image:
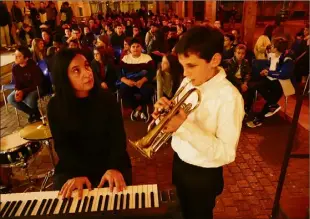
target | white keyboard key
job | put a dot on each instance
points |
(39, 198)
(134, 192)
(119, 194)
(74, 202)
(96, 199)
(155, 191)
(59, 203)
(85, 193)
(147, 196)
(150, 190)
(140, 190)
(89, 195)
(111, 199)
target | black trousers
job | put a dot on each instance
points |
(271, 92)
(197, 188)
(61, 178)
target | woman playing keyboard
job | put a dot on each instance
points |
(87, 127)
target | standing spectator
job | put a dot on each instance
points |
(26, 35)
(66, 13)
(27, 18)
(42, 13)
(51, 12)
(228, 52)
(4, 25)
(35, 20)
(17, 15)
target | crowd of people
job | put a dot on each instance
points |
(125, 51)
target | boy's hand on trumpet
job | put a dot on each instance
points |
(162, 105)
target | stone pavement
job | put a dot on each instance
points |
(250, 181)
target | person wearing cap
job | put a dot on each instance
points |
(137, 73)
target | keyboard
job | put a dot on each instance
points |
(139, 201)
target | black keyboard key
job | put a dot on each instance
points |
(100, 203)
(63, 206)
(84, 204)
(121, 202)
(136, 200)
(69, 205)
(127, 201)
(78, 206)
(106, 202)
(91, 201)
(47, 207)
(41, 207)
(164, 196)
(173, 196)
(55, 202)
(143, 200)
(152, 200)
(115, 203)
(6, 206)
(26, 207)
(33, 204)
(16, 208)
(10, 208)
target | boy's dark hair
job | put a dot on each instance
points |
(25, 51)
(204, 41)
(230, 37)
(280, 44)
(240, 46)
(135, 40)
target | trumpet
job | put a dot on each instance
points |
(156, 138)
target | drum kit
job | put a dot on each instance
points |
(20, 148)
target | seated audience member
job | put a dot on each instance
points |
(47, 39)
(238, 73)
(126, 49)
(236, 34)
(263, 43)
(137, 73)
(38, 49)
(228, 51)
(27, 77)
(281, 68)
(104, 69)
(67, 35)
(169, 76)
(103, 41)
(73, 44)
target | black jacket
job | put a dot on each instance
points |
(231, 69)
(92, 139)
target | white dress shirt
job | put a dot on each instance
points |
(210, 134)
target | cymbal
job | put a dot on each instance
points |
(36, 131)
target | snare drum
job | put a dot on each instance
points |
(15, 151)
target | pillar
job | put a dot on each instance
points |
(249, 22)
(154, 9)
(190, 7)
(210, 11)
(161, 7)
(180, 8)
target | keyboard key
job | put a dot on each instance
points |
(48, 206)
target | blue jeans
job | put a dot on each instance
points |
(28, 105)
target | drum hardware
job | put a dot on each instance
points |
(49, 175)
